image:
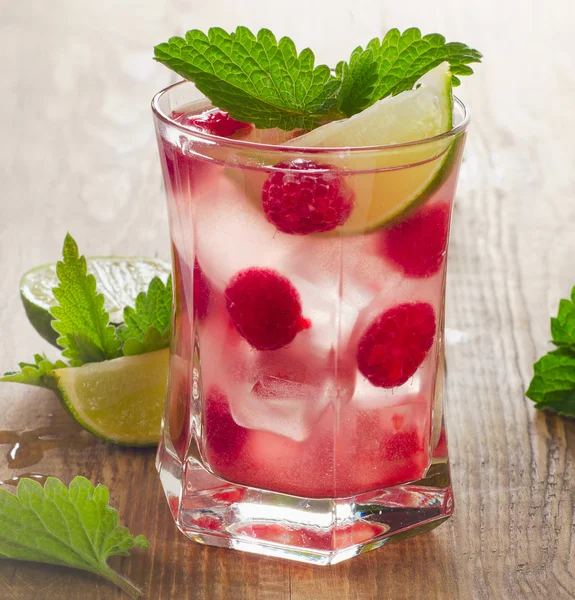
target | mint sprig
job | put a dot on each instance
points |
(265, 82)
(72, 527)
(148, 326)
(38, 373)
(394, 64)
(553, 384)
(254, 77)
(563, 326)
(83, 323)
(80, 317)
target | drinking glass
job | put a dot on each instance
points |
(326, 438)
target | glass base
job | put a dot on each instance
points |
(210, 510)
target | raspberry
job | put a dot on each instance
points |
(224, 437)
(202, 292)
(417, 245)
(265, 308)
(216, 122)
(395, 344)
(297, 201)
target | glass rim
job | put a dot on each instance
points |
(223, 141)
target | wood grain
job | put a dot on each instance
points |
(78, 154)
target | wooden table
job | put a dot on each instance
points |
(78, 154)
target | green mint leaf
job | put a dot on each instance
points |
(72, 527)
(148, 326)
(254, 77)
(38, 373)
(359, 80)
(553, 384)
(398, 61)
(80, 318)
(563, 326)
(152, 340)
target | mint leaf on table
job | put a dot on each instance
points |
(72, 527)
(265, 82)
(148, 326)
(256, 78)
(38, 373)
(81, 321)
(553, 384)
(394, 64)
(563, 326)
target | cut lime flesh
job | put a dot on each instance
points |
(120, 279)
(391, 181)
(119, 400)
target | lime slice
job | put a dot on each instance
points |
(119, 400)
(381, 195)
(120, 279)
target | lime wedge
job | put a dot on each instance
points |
(119, 400)
(381, 195)
(119, 279)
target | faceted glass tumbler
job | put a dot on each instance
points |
(322, 441)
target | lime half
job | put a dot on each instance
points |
(120, 279)
(385, 190)
(119, 400)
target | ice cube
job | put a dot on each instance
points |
(231, 234)
(286, 391)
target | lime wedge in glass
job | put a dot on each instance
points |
(119, 400)
(381, 195)
(120, 279)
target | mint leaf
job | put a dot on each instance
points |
(265, 82)
(563, 326)
(81, 320)
(553, 384)
(152, 340)
(148, 326)
(72, 527)
(38, 373)
(254, 77)
(399, 60)
(360, 78)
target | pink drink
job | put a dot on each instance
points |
(307, 358)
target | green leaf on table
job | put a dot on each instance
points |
(394, 64)
(148, 326)
(80, 317)
(254, 77)
(553, 384)
(38, 373)
(72, 527)
(563, 325)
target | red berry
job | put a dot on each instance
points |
(417, 245)
(396, 343)
(216, 122)
(202, 292)
(224, 437)
(265, 308)
(298, 201)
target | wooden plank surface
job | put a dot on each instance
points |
(78, 154)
